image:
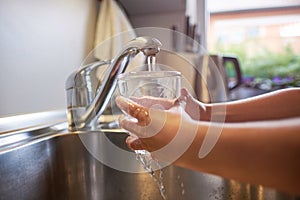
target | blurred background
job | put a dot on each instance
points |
(42, 42)
(265, 35)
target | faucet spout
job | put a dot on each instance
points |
(147, 45)
(85, 119)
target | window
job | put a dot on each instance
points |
(264, 35)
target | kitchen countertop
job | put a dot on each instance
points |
(243, 92)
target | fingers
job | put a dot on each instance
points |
(129, 125)
(145, 128)
(134, 143)
(181, 100)
(184, 92)
(123, 103)
(135, 110)
(154, 102)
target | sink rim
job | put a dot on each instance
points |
(23, 130)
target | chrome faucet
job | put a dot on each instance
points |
(88, 94)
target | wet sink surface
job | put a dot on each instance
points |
(61, 167)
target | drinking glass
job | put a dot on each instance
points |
(160, 84)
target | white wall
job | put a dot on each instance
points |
(158, 13)
(41, 43)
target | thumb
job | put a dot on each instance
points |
(134, 143)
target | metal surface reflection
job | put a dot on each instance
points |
(54, 164)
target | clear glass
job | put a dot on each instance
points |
(159, 84)
(162, 84)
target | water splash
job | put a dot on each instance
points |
(181, 185)
(149, 165)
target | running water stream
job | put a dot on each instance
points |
(151, 165)
(151, 61)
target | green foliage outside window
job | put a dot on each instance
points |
(267, 64)
(283, 68)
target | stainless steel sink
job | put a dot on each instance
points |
(48, 162)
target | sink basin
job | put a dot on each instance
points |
(52, 163)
